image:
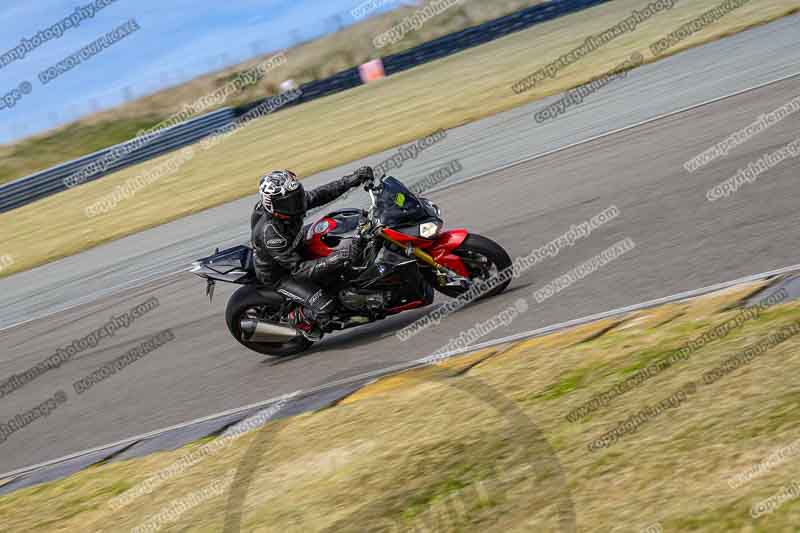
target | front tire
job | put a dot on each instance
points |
(484, 259)
(251, 300)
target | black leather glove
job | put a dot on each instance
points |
(354, 251)
(362, 175)
(346, 255)
(323, 269)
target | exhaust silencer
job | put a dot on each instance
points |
(256, 331)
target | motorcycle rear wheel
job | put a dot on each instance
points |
(251, 300)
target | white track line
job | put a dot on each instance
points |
(112, 291)
(115, 290)
(612, 132)
(425, 361)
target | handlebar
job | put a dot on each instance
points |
(375, 178)
(370, 187)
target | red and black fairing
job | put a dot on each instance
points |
(323, 236)
(441, 248)
(390, 284)
(401, 281)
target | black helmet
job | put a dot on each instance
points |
(282, 194)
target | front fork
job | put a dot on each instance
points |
(446, 276)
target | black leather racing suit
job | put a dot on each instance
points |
(277, 259)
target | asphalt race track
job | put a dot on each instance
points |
(683, 241)
(700, 75)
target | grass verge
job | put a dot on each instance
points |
(427, 448)
(345, 127)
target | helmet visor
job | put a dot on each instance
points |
(291, 204)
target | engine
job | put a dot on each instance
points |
(365, 300)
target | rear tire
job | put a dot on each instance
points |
(249, 298)
(477, 245)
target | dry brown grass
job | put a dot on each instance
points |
(345, 127)
(415, 445)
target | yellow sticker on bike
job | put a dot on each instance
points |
(400, 199)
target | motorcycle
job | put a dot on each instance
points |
(405, 256)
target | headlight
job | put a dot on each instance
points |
(428, 230)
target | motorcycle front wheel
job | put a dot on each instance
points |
(484, 259)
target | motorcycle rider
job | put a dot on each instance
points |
(276, 225)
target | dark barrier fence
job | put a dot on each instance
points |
(442, 47)
(483, 33)
(53, 180)
(50, 181)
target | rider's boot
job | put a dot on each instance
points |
(308, 323)
(314, 307)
